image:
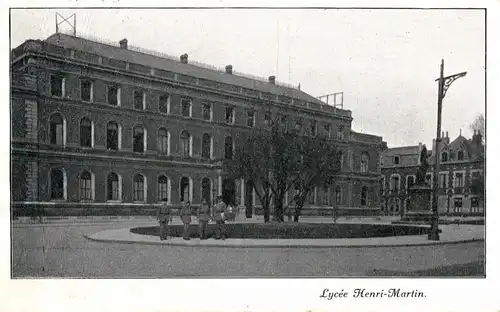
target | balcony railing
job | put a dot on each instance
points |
(458, 190)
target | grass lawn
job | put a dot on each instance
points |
(476, 268)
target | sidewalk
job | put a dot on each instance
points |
(451, 234)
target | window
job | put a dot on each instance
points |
(443, 177)
(206, 146)
(138, 144)
(338, 195)
(86, 186)
(364, 162)
(163, 188)
(207, 111)
(474, 204)
(229, 114)
(395, 183)
(57, 135)
(428, 179)
(250, 118)
(228, 147)
(57, 86)
(298, 124)
(139, 188)
(164, 104)
(444, 157)
(114, 95)
(163, 141)
(186, 107)
(326, 130)
(86, 91)
(86, 133)
(267, 119)
(340, 133)
(112, 136)
(57, 184)
(185, 193)
(312, 129)
(139, 100)
(114, 187)
(206, 190)
(185, 144)
(364, 196)
(457, 205)
(459, 182)
(410, 181)
(460, 155)
(396, 160)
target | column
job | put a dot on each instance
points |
(242, 200)
(219, 186)
(237, 193)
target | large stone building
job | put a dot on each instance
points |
(108, 129)
(461, 172)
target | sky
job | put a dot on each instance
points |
(385, 61)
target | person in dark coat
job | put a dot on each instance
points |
(203, 217)
(163, 216)
(186, 219)
(219, 211)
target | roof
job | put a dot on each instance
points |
(402, 150)
(164, 63)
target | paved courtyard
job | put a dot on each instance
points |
(61, 250)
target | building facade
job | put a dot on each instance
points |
(461, 176)
(104, 129)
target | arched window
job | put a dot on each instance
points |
(364, 162)
(163, 141)
(138, 139)
(444, 157)
(206, 190)
(460, 155)
(163, 188)
(112, 136)
(206, 146)
(338, 195)
(57, 129)
(364, 195)
(185, 144)
(114, 187)
(57, 184)
(185, 190)
(410, 181)
(86, 133)
(228, 147)
(86, 189)
(139, 188)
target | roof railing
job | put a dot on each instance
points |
(173, 58)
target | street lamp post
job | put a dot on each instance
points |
(443, 84)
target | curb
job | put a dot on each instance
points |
(180, 244)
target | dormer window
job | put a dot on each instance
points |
(444, 157)
(396, 160)
(460, 155)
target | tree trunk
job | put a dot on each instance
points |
(278, 210)
(298, 209)
(266, 213)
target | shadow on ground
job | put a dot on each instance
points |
(476, 269)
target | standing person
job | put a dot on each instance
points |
(163, 216)
(203, 217)
(186, 219)
(219, 209)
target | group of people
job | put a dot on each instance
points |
(219, 215)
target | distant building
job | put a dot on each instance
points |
(111, 129)
(460, 177)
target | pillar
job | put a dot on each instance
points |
(219, 186)
(242, 191)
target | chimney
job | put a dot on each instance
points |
(446, 133)
(184, 58)
(229, 69)
(419, 152)
(479, 138)
(124, 43)
(272, 79)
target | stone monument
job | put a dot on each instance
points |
(418, 207)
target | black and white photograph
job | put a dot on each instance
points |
(314, 144)
(246, 144)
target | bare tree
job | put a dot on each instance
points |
(478, 125)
